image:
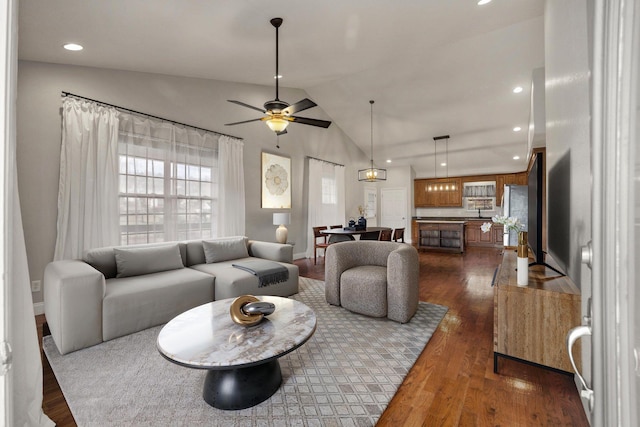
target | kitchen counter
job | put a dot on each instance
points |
(451, 218)
(439, 221)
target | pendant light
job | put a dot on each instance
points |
(448, 186)
(372, 173)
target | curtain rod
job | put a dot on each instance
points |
(326, 161)
(147, 115)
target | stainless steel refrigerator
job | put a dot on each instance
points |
(515, 203)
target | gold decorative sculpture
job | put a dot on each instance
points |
(247, 310)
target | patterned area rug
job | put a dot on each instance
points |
(345, 375)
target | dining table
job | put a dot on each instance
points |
(343, 234)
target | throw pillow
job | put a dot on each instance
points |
(147, 260)
(225, 249)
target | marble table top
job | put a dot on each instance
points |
(206, 337)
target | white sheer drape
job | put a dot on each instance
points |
(88, 190)
(27, 365)
(231, 205)
(326, 197)
(21, 385)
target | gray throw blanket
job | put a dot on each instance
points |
(267, 272)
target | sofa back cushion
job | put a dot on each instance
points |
(104, 259)
(225, 249)
(147, 260)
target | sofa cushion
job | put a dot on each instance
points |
(225, 249)
(232, 282)
(147, 260)
(104, 259)
(363, 289)
(135, 303)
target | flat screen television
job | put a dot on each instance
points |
(534, 221)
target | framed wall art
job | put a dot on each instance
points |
(276, 181)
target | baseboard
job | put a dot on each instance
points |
(38, 308)
(299, 256)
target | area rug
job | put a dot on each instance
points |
(345, 375)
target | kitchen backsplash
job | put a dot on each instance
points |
(455, 212)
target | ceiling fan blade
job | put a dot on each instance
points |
(244, 121)
(299, 106)
(312, 122)
(262, 110)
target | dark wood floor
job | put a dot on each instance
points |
(452, 382)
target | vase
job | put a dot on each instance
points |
(522, 266)
(362, 223)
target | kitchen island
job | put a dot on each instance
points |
(444, 235)
(454, 233)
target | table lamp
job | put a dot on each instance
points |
(281, 219)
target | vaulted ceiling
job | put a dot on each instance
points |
(434, 67)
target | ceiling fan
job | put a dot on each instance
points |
(280, 113)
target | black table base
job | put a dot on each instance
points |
(242, 388)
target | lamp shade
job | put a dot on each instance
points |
(281, 218)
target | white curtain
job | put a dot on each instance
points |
(88, 190)
(326, 197)
(26, 371)
(21, 385)
(231, 205)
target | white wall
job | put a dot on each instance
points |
(567, 70)
(568, 48)
(198, 102)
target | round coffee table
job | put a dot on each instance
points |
(242, 362)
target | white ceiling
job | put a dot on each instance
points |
(433, 67)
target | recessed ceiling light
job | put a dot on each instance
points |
(517, 129)
(483, 2)
(516, 157)
(279, 76)
(443, 164)
(388, 160)
(517, 89)
(73, 46)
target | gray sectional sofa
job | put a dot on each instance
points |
(116, 291)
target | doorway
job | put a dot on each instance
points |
(393, 207)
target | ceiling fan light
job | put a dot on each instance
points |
(277, 124)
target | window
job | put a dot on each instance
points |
(166, 191)
(329, 191)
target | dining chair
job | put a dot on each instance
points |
(336, 238)
(385, 235)
(398, 235)
(322, 244)
(370, 235)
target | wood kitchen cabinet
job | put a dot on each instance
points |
(531, 322)
(414, 232)
(475, 237)
(519, 178)
(433, 192)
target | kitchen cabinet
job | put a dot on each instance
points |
(474, 236)
(434, 193)
(441, 235)
(531, 322)
(519, 178)
(414, 232)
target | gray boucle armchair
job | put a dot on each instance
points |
(374, 278)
